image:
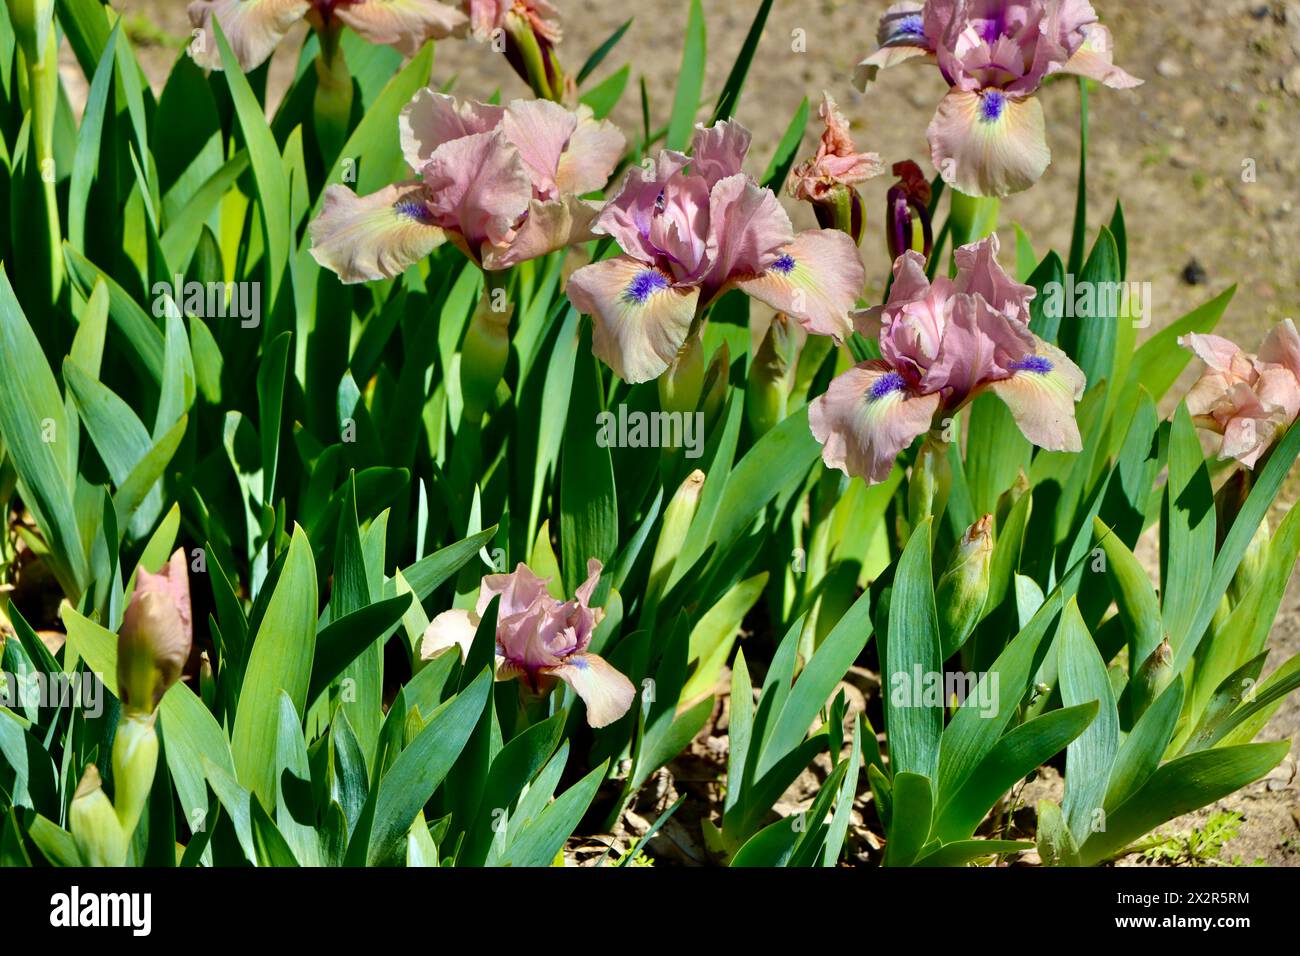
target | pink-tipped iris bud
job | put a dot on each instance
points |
(157, 633)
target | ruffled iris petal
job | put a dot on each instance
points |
(718, 151)
(431, 119)
(540, 130)
(1282, 347)
(594, 149)
(252, 27)
(1094, 60)
(748, 231)
(1041, 394)
(866, 417)
(362, 238)
(404, 24)
(606, 692)
(988, 143)
(816, 281)
(639, 318)
(478, 185)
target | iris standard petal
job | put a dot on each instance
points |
(594, 150)
(718, 151)
(431, 119)
(521, 591)
(979, 344)
(478, 186)
(540, 130)
(748, 230)
(1282, 347)
(1219, 354)
(979, 273)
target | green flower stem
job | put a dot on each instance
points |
(486, 348)
(927, 491)
(43, 89)
(972, 217)
(332, 108)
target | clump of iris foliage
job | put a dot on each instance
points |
(339, 563)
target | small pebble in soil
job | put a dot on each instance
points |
(1194, 273)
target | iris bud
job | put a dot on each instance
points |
(842, 209)
(1151, 679)
(135, 759)
(963, 588)
(94, 824)
(672, 533)
(715, 386)
(767, 392)
(532, 55)
(32, 21)
(155, 638)
(1007, 500)
(907, 217)
(1253, 564)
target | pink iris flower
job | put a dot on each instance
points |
(690, 228)
(1248, 399)
(254, 27)
(540, 640)
(987, 137)
(943, 343)
(501, 183)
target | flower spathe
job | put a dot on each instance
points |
(1248, 399)
(501, 183)
(987, 137)
(254, 27)
(690, 228)
(539, 639)
(942, 343)
(157, 633)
